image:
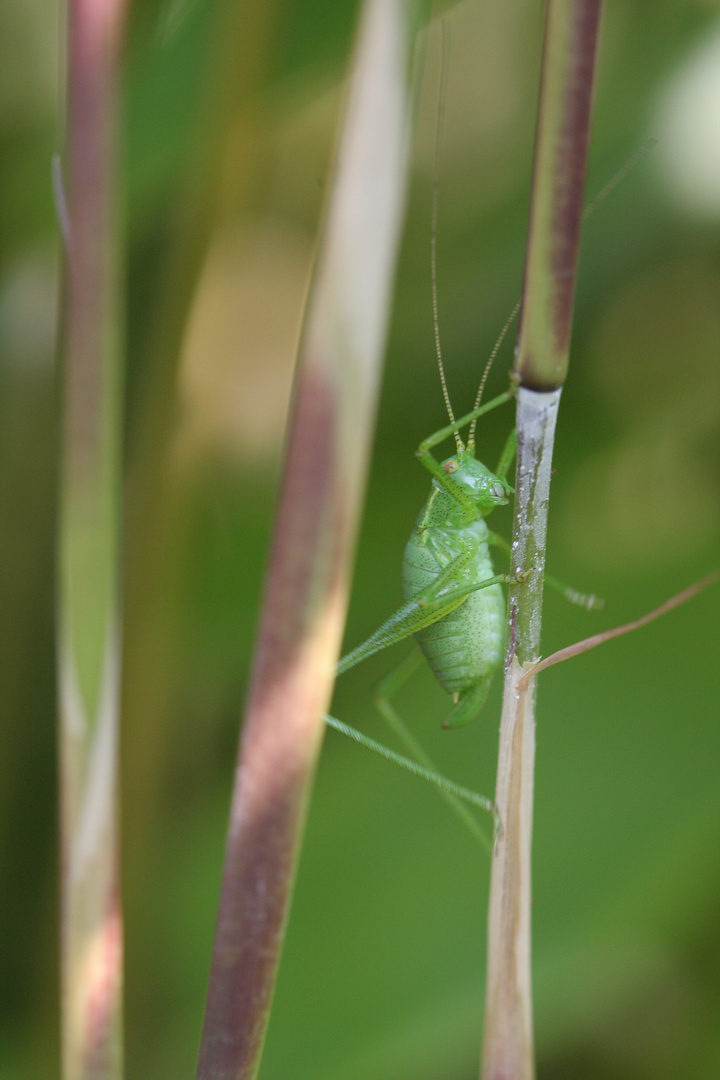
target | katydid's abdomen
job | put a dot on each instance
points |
(454, 605)
(465, 646)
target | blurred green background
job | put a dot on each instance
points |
(229, 119)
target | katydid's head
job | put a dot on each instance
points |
(485, 488)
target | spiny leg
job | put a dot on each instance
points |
(388, 686)
(425, 608)
(436, 779)
(508, 455)
(586, 600)
(445, 432)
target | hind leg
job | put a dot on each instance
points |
(386, 688)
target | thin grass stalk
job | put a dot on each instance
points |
(569, 53)
(307, 588)
(89, 543)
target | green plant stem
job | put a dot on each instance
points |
(88, 606)
(542, 358)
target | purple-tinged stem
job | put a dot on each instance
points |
(88, 572)
(307, 586)
(571, 31)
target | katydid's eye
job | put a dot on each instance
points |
(451, 466)
(498, 491)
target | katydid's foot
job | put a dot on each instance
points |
(498, 830)
(521, 576)
(587, 600)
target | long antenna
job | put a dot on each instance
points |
(442, 97)
(632, 161)
(478, 397)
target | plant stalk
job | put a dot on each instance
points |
(307, 587)
(569, 52)
(88, 556)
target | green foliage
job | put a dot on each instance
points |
(383, 970)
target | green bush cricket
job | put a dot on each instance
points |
(453, 599)
(454, 603)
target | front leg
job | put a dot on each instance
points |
(451, 429)
(507, 456)
(424, 455)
